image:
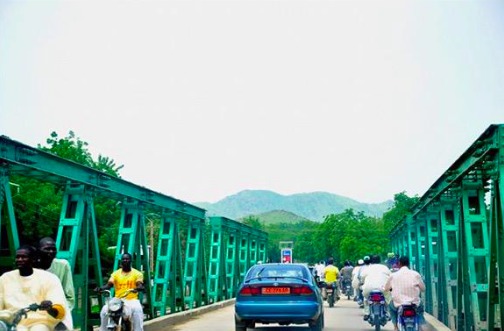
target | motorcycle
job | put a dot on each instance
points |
(9, 320)
(377, 310)
(407, 318)
(117, 319)
(330, 290)
(346, 288)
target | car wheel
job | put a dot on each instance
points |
(318, 324)
(240, 325)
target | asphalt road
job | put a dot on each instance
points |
(344, 316)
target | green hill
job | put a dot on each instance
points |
(312, 206)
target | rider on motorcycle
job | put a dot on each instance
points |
(124, 279)
(330, 274)
(26, 286)
(406, 286)
(374, 277)
(355, 279)
(346, 275)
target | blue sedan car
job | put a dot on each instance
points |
(279, 293)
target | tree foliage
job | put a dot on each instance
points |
(402, 206)
(348, 235)
(253, 222)
(38, 204)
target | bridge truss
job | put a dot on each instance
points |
(177, 283)
(454, 237)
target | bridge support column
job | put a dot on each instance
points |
(10, 227)
(77, 242)
(448, 227)
(496, 275)
(168, 288)
(473, 258)
(232, 266)
(194, 270)
(432, 258)
(419, 238)
(217, 265)
(262, 250)
(244, 253)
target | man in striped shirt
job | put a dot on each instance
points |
(406, 286)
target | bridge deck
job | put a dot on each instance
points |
(345, 316)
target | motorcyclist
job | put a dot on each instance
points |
(355, 279)
(330, 274)
(26, 286)
(124, 279)
(374, 278)
(346, 274)
(367, 261)
(406, 286)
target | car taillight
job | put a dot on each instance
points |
(247, 290)
(408, 313)
(303, 290)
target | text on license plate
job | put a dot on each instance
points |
(276, 290)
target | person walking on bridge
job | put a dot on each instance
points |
(406, 286)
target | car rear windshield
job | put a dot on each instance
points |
(280, 270)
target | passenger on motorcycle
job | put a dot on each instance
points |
(26, 286)
(406, 286)
(123, 279)
(330, 274)
(61, 268)
(374, 277)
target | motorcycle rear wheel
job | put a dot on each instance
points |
(330, 300)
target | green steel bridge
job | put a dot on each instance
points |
(178, 283)
(454, 236)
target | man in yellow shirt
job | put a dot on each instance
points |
(124, 279)
(330, 274)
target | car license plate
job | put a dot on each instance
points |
(276, 290)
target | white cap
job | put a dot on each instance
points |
(361, 261)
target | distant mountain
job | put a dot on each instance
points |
(313, 206)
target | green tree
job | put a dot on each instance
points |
(38, 203)
(253, 222)
(402, 206)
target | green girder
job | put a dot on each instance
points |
(77, 238)
(454, 238)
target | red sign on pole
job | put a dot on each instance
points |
(286, 255)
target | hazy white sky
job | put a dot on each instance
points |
(202, 99)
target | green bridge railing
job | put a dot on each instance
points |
(454, 237)
(178, 283)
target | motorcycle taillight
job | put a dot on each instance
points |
(409, 313)
(376, 297)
